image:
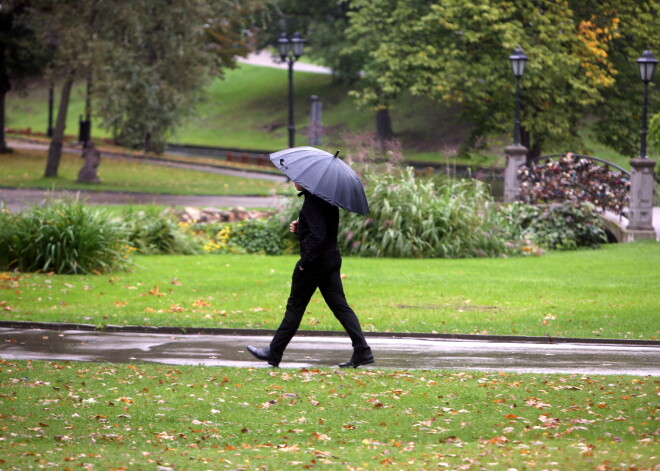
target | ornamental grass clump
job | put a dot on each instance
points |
(63, 237)
(423, 217)
(6, 232)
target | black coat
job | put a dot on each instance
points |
(318, 224)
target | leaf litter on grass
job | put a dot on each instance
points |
(88, 415)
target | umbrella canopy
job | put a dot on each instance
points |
(324, 175)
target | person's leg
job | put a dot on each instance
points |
(333, 292)
(303, 285)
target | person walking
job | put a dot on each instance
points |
(319, 267)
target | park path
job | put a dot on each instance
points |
(266, 59)
(315, 351)
(16, 199)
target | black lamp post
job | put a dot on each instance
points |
(52, 47)
(646, 63)
(49, 130)
(290, 50)
(518, 60)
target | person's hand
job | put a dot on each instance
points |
(293, 227)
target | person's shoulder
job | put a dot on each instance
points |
(320, 202)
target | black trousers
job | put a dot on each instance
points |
(325, 275)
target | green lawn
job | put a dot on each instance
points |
(608, 293)
(249, 109)
(25, 169)
(61, 415)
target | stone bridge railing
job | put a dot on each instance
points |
(582, 178)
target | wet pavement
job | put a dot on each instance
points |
(325, 351)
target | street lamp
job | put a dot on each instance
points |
(516, 155)
(518, 60)
(646, 63)
(290, 50)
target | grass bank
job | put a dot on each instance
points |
(608, 293)
(25, 169)
(100, 416)
(249, 109)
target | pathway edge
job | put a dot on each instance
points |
(322, 333)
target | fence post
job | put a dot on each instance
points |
(515, 157)
(315, 127)
(640, 217)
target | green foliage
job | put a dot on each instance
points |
(6, 232)
(22, 56)
(323, 24)
(152, 232)
(158, 69)
(147, 60)
(654, 138)
(422, 217)
(563, 226)
(63, 237)
(216, 237)
(257, 236)
(618, 121)
(252, 236)
(456, 52)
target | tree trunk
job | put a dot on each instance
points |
(3, 143)
(384, 130)
(533, 150)
(56, 143)
(5, 86)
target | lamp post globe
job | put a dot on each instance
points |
(647, 64)
(518, 60)
(283, 46)
(297, 45)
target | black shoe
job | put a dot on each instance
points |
(263, 354)
(365, 358)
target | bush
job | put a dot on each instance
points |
(63, 237)
(254, 236)
(217, 238)
(561, 226)
(257, 236)
(150, 232)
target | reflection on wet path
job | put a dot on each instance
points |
(401, 353)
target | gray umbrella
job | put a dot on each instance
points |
(323, 175)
